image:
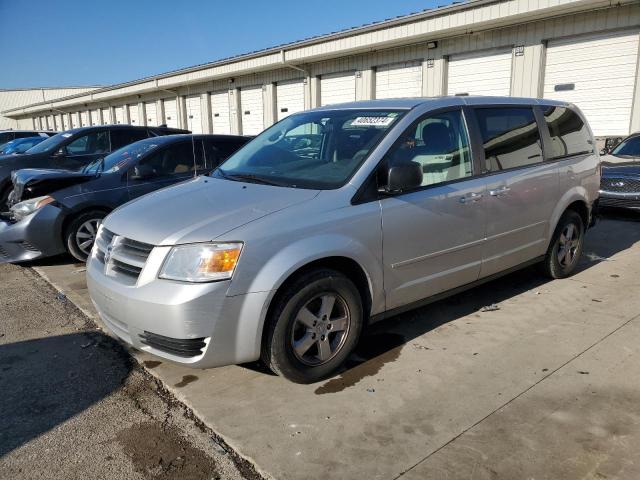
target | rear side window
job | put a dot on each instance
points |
(510, 137)
(569, 134)
(174, 160)
(122, 137)
(24, 134)
(90, 144)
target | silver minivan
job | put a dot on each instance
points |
(337, 217)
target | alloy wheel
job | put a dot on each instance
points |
(320, 329)
(568, 245)
(86, 235)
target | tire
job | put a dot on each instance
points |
(560, 260)
(77, 231)
(321, 346)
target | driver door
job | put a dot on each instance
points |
(82, 150)
(170, 165)
(433, 235)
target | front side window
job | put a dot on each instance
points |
(173, 160)
(510, 137)
(93, 143)
(317, 150)
(440, 144)
(629, 147)
(569, 134)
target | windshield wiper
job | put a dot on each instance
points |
(251, 178)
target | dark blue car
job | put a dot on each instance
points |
(57, 211)
(20, 145)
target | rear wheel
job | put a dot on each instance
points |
(81, 234)
(314, 326)
(566, 245)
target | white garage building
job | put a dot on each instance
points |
(583, 51)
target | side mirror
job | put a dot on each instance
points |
(61, 152)
(143, 172)
(403, 176)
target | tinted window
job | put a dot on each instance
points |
(628, 147)
(24, 134)
(219, 150)
(96, 142)
(439, 143)
(123, 136)
(569, 134)
(510, 137)
(5, 137)
(319, 150)
(174, 160)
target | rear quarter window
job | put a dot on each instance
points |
(569, 134)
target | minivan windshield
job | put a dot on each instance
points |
(117, 160)
(49, 144)
(316, 150)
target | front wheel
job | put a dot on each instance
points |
(566, 246)
(81, 234)
(314, 326)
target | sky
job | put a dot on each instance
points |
(101, 42)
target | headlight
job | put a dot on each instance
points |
(201, 262)
(22, 209)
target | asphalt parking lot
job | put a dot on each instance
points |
(541, 384)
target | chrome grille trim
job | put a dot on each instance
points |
(121, 255)
(620, 184)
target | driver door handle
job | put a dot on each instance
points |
(499, 192)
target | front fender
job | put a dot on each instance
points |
(273, 273)
(575, 194)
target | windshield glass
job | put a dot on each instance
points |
(318, 150)
(50, 143)
(117, 160)
(628, 148)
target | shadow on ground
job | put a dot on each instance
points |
(46, 381)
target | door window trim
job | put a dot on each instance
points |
(363, 195)
(480, 143)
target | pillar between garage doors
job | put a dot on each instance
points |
(434, 76)
(234, 108)
(527, 70)
(269, 104)
(205, 113)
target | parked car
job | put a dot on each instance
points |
(74, 149)
(620, 185)
(20, 145)
(8, 135)
(337, 217)
(57, 211)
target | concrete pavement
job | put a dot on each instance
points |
(451, 391)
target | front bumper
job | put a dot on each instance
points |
(180, 315)
(37, 236)
(620, 200)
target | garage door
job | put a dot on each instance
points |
(220, 112)
(598, 75)
(95, 117)
(399, 80)
(194, 114)
(119, 114)
(106, 116)
(151, 113)
(337, 88)
(75, 120)
(289, 98)
(133, 115)
(171, 113)
(84, 119)
(480, 73)
(65, 122)
(251, 109)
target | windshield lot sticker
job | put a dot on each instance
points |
(372, 121)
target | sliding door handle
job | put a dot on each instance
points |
(471, 198)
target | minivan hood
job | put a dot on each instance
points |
(200, 210)
(35, 182)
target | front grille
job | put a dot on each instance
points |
(181, 347)
(618, 203)
(620, 184)
(125, 256)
